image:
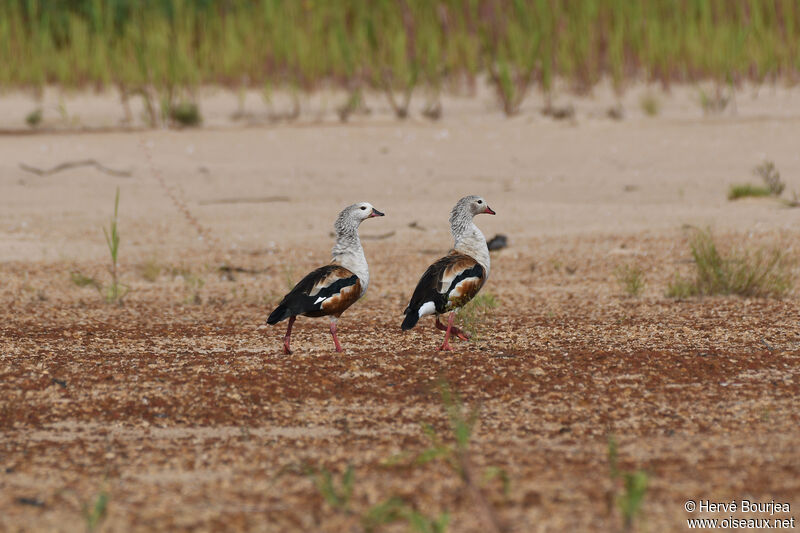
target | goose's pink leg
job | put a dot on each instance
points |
(461, 334)
(446, 344)
(287, 339)
(335, 339)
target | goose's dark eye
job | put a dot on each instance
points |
(363, 208)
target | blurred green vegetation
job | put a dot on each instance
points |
(173, 46)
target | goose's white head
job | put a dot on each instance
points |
(468, 238)
(468, 207)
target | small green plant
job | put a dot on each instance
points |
(94, 512)
(81, 280)
(771, 177)
(749, 273)
(186, 114)
(288, 275)
(396, 509)
(634, 488)
(150, 270)
(425, 524)
(336, 494)
(746, 190)
(386, 512)
(453, 449)
(193, 285)
(115, 291)
(769, 174)
(631, 279)
(714, 104)
(34, 118)
(462, 423)
(650, 104)
(472, 315)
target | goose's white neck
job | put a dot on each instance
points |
(348, 252)
(470, 241)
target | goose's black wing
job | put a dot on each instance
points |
(328, 290)
(449, 283)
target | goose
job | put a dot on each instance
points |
(456, 278)
(331, 289)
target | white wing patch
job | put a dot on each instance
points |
(428, 308)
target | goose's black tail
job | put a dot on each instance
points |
(280, 313)
(411, 319)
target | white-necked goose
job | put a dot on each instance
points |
(330, 290)
(456, 278)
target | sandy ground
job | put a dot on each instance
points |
(180, 406)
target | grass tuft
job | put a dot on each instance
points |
(451, 448)
(186, 114)
(472, 315)
(336, 494)
(746, 190)
(34, 118)
(634, 488)
(650, 105)
(150, 270)
(94, 512)
(757, 273)
(771, 177)
(115, 291)
(769, 174)
(631, 279)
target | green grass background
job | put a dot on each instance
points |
(180, 44)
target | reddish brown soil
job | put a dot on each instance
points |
(190, 417)
(181, 407)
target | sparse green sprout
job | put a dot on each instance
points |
(472, 315)
(757, 273)
(424, 524)
(462, 420)
(34, 118)
(115, 291)
(387, 512)
(81, 280)
(95, 512)
(186, 114)
(713, 104)
(771, 177)
(650, 104)
(193, 285)
(495, 472)
(747, 190)
(288, 275)
(150, 270)
(396, 509)
(631, 279)
(337, 495)
(634, 488)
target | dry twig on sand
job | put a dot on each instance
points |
(258, 200)
(74, 164)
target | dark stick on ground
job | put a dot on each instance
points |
(258, 200)
(74, 164)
